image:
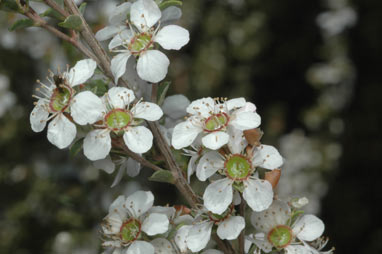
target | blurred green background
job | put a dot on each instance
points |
(311, 67)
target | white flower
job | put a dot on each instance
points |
(196, 237)
(277, 229)
(128, 219)
(128, 165)
(213, 119)
(55, 103)
(145, 30)
(238, 168)
(115, 114)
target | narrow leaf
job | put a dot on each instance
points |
(169, 3)
(72, 22)
(162, 91)
(76, 147)
(163, 176)
(98, 87)
(82, 8)
(9, 5)
(21, 23)
(52, 14)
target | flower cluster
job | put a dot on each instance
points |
(222, 138)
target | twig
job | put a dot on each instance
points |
(135, 156)
(57, 8)
(41, 22)
(243, 205)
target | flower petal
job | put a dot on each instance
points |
(191, 167)
(147, 110)
(97, 144)
(198, 236)
(170, 14)
(139, 202)
(82, 71)
(133, 167)
(122, 37)
(105, 164)
(245, 120)
(184, 134)
(237, 142)
(39, 116)
(152, 66)
(61, 131)
(308, 228)
(140, 247)
(258, 194)
(155, 223)
(175, 106)
(138, 139)
(162, 245)
(117, 205)
(108, 31)
(235, 103)
(280, 214)
(209, 164)
(230, 228)
(144, 14)
(215, 140)
(267, 157)
(119, 14)
(262, 243)
(87, 108)
(120, 97)
(201, 107)
(212, 251)
(218, 196)
(118, 65)
(181, 238)
(172, 37)
(298, 249)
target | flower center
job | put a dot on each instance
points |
(237, 167)
(140, 42)
(280, 236)
(117, 119)
(130, 230)
(60, 98)
(216, 122)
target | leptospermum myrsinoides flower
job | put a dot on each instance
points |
(196, 236)
(128, 219)
(238, 167)
(145, 30)
(213, 118)
(115, 113)
(55, 103)
(278, 228)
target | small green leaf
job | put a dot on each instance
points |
(60, 2)
(21, 23)
(52, 14)
(169, 3)
(82, 8)
(162, 91)
(163, 176)
(76, 147)
(72, 22)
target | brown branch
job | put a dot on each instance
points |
(136, 157)
(57, 8)
(243, 205)
(41, 22)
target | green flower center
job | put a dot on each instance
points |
(60, 98)
(117, 119)
(280, 236)
(237, 167)
(130, 230)
(140, 43)
(216, 122)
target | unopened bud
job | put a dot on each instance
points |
(253, 136)
(299, 202)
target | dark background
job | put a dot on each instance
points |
(34, 210)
